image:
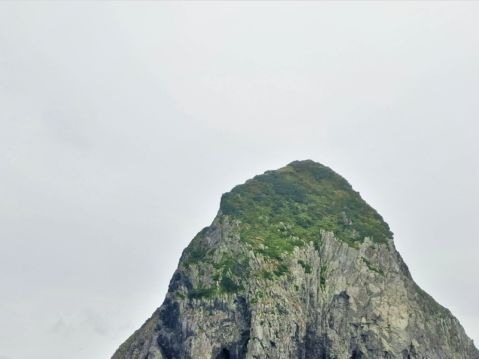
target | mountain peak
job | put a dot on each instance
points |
(311, 198)
(296, 265)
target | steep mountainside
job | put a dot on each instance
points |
(296, 265)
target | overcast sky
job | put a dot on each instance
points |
(121, 124)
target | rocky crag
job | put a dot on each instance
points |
(296, 265)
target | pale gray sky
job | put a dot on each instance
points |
(121, 124)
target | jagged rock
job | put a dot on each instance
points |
(296, 265)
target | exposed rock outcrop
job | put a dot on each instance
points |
(296, 265)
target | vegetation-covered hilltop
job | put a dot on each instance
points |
(280, 210)
(296, 265)
(302, 199)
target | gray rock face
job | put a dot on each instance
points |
(328, 298)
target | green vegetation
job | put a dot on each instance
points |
(281, 269)
(226, 273)
(322, 277)
(196, 251)
(307, 268)
(280, 210)
(289, 207)
(267, 275)
(371, 267)
(202, 292)
(257, 296)
(226, 286)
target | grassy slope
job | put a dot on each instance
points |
(281, 209)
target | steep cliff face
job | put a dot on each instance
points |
(296, 265)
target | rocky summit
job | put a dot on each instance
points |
(296, 265)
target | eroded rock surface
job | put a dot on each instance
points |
(296, 265)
